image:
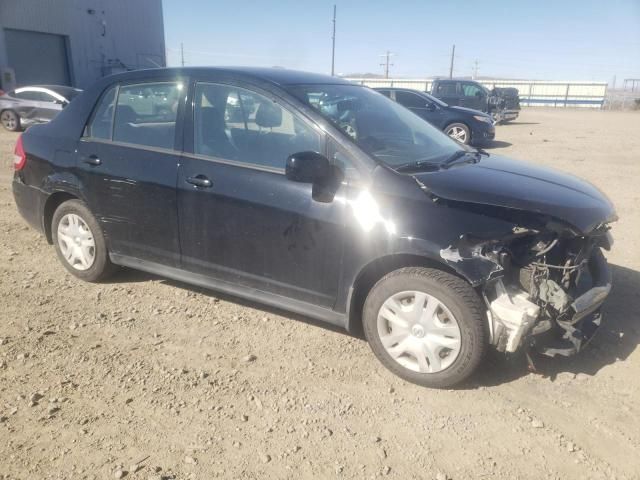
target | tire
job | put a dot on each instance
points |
(457, 306)
(459, 132)
(76, 237)
(10, 120)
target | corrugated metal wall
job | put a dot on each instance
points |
(102, 36)
(532, 92)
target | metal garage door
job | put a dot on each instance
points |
(37, 58)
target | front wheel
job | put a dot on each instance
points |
(459, 132)
(10, 120)
(426, 326)
(79, 242)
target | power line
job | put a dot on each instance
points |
(333, 42)
(453, 54)
(386, 64)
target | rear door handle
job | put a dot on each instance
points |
(199, 181)
(92, 160)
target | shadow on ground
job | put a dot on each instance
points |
(618, 337)
(497, 144)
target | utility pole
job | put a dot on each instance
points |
(333, 43)
(182, 53)
(453, 54)
(386, 64)
(475, 70)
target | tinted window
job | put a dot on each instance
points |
(410, 100)
(237, 124)
(146, 114)
(446, 89)
(28, 95)
(386, 93)
(471, 90)
(100, 125)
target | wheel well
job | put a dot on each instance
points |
(373, 272)
(53, 202)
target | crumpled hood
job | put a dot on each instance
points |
(503, 182)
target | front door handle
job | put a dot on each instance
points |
(199, 181)
(92, 160)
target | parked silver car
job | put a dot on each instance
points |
(26, 106)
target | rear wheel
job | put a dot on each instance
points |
(426, 326)
(79, 242)
(10, 120)
(459, 132)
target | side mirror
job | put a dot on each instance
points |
(479, 94)
(431, 107)
(307, 167)
(60, 102)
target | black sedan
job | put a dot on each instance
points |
(467, 126)
(27, 106)
(326, 199)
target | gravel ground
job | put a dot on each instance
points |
(145, 378)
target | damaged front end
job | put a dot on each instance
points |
(546, 289)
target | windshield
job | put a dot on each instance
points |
(378, 125)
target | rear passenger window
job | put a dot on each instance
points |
(237, 124)
(146, 114)
(448, 88)
(100, 125)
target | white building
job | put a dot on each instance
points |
(75, 42)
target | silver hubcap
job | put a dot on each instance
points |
(419, 332)
(76, 242)
(9, 120)
(457, 133)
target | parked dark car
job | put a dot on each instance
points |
(503, 104)
(328, 200)
(27, 106)
(467, 126)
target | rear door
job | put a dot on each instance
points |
(49, 107)
(241, 220)
(128, 163)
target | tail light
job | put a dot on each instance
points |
(19, 156)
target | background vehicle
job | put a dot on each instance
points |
(330, 201)
(502, 104)
(467, 126)
(27, 106)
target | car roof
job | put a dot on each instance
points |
(275, 75)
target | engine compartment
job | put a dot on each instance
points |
(550, 294)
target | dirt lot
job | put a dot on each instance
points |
(161, 380)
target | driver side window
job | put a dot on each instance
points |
(237, 124)
(471, 90)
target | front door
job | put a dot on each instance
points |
(128, 167)
(241, 220)
(473, 96)
(420, 106)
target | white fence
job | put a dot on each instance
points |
(533, 93)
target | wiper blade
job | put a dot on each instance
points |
(416, 167)
(468, 156)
